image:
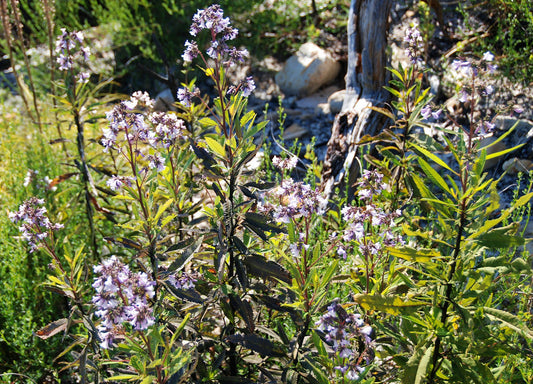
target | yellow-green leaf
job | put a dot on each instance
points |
(392, 305)
(215, 146)
(415, 255)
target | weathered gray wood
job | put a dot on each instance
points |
(366, 75)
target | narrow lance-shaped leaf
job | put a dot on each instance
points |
(392, 305)
(415, 255)
(52, 329)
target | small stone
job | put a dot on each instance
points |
(487, 143)
(306, 71)
(294, 131)
(434, 83)
(322, 109)
(336, 100)
(516, 165)
(453, 105)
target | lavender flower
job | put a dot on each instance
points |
(212, 18)
(293, 200)
(185, 95)
(518, 109)
(168, 127)
(35, 226)
(121, 296)
(285, 164)
(248, 86)
(344, 332)
(462, 67)
(184, 281)
(370, 184)
(415, 44)
(426, 112)
(191, 51)
(70, 49)
(463, 96)
(124, 117)
(156, 161)
(369, 227)
(488, 56)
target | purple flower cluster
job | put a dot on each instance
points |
(183, 281)
(69, 49)
(343, 332)
(168, 127)
(293, 200)
(35, 226)
(285, 164)
(467, 70)
(158, 130)
(415, 44)
(212, 19)
(369, 226)
(126, 117)
(121, 296)
(428, 112)
(247, 86)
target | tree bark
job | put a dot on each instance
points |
(368, 24)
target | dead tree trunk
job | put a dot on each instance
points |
(367, 41)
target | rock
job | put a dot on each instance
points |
(453, 105)
(522, 132)
(486, 143)
(256, 162)
(306, 71)
(294, 131)
(164, 101)
(336, 100)
(434, 83)
(516, 165)
(316, 99)
(322, 109)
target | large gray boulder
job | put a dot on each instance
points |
(306, 71)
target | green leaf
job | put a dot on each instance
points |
(383, 111)
(415, 255)
(207, 122)
(162, 208)
(124, 242)
(433, 175)
(186, 256)
(509, 320)
(123, 377)
(215, 146)
(388, 304)
(423, 365)
(498, 240)
(260, 267)
(257, 344)
(149, 380)
(318, 370)
(501, 153)
(431, 156)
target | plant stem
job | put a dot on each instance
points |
(449, 288)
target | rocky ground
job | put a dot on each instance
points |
(311, 115)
